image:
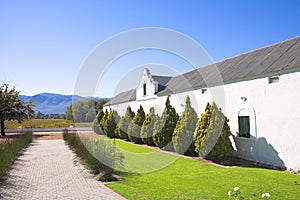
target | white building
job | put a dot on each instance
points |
(260, 95)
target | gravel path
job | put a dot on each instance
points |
(48, 169)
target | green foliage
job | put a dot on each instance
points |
(184, 132)
(96, 123)
(10, 148)
(84, 111)
(111, 123)
(40, 123)
(102, 123)
(164, 127)
(122, 128)
(98, 155)
(12, 108)
(212, 134)
(134, 128)
(148, 126)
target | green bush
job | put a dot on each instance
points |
(99, 156)
(9, 150)
(184, 132)
(102, 123)
(212, 134)
(134, 128)
(96, 123)
(147, 127)
(164, 127)
(111, 123)
(122, 128)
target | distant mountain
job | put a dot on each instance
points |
(49, 103)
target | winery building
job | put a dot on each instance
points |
(258, 91)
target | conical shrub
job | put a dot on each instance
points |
(164, 127)
(148, 126)
(96, 123)
(212, 134)
(122, 127)
(183, 134)
(134, 128)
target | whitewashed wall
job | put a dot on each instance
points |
(273, 109)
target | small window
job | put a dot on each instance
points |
(144, 89)
(244, 126)
(204, 90)
(274, 79)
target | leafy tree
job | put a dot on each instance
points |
(85, 110)
(99, 104)
(111, 123)
(134, 128)
(96, 123)
(12, 108)
(122, 128)
(212, 134)
(184, 132)
(69, 115)
(147, 127)
(164, 127)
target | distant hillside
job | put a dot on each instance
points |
(48, 103)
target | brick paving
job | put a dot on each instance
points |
(48, 169)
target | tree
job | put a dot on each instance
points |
(111, 123)
(84, 110)
(96, 123)
(147, 127)
(122, 128)
(134, 128)
(102, 123)
(212, 134)
(184, 132)
(12, 108)
(164, 127)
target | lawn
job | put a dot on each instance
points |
(192, 179)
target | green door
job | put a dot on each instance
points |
(244, 126)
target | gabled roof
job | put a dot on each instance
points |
(277, 58)
(127, 96)
(162, 81)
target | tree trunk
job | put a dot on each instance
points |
(2, 127)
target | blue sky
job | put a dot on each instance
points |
(43, 44)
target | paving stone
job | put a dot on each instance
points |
(48, 170)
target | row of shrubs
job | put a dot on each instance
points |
(9, 150)
(207, 136)
(99, 156)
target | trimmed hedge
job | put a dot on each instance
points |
(164, 127)
(148, 126)
(122, 127)
(184, 132)
(212, 134)
(111, 123)
(134, 128)
(96, 123)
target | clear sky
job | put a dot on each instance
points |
(44, 43)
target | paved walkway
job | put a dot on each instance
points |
(49, 170)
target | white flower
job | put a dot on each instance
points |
(229, 193)
(266, 195)
(236, 189)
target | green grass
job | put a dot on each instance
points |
(191, 179)
(9, 150)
